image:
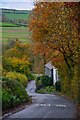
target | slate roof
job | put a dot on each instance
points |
(49, 65)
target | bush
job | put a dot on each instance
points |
(13, 93)
(48, 89)
(38, 78)
(46, 81)
(43, 81)
(58, 85)
(20, 65)
(19, 77)
(30, 77)
(4, 72)
(38, 83)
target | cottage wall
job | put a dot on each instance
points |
(52, 72)
(48, 72)
(55, 76)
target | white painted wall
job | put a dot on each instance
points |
(55, 75)
(47, 72)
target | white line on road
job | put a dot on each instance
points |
(49, 105)
(54, 105)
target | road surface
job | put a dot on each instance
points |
(46, 106)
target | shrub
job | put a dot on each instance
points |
(48, 89)
(38, 78)
(43, 81)
(58, 85)
(19, 77)
(20, 65)
(46, 81)
(0, 69)
(30, 77)
(4, 72)
(13, 93)
(38, 83)
(5, 99)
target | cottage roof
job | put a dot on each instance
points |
(49, 65)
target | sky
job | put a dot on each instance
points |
(22, 4)
(17, 4)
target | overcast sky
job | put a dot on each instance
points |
(17, 4)
(23, 4)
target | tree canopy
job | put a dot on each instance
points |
(55, 32)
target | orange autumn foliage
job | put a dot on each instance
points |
(54, 27)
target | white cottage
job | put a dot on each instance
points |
(52, 72)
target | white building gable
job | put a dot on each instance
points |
(51, 71)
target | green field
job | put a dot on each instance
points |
(4, 24)
(15, 16)
(20, 33)
(12, 31)
(12, 14)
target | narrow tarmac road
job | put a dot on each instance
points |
(46, 106)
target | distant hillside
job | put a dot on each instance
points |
(15, 16)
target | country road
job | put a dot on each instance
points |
(46, 106)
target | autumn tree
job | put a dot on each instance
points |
(74, 18)
(16, 58)
(54, 27)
